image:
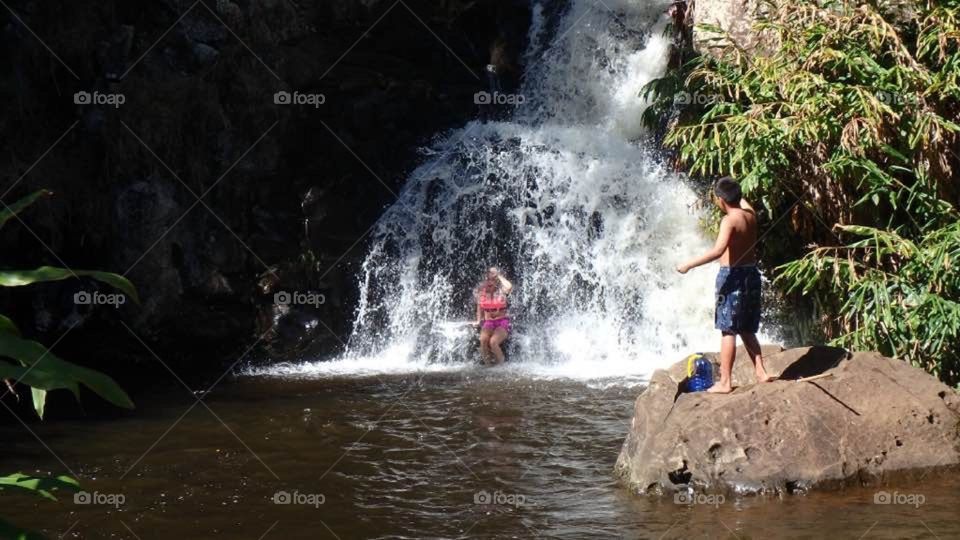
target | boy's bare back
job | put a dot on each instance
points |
(739, 298)
(741, 249)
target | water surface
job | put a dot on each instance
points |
(478, 453)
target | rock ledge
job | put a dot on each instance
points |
(863, 420)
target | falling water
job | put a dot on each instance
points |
(568, 199)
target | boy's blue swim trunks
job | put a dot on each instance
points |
(738, 300)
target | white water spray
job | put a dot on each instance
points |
(567, 198)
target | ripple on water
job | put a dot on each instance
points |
(411, 465)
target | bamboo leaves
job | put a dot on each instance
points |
(857, 105)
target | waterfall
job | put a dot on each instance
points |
(568, 199)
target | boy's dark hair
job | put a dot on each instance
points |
(728, 189)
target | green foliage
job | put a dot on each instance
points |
(8, 212)
(850, 111)
(42, 486)
(37, 367)
(17, 278)
(43, 370)
(902, 297)
(7, 326)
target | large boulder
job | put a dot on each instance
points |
(832, 419)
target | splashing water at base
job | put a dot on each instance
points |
(568, 199)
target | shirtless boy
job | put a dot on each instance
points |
(738, 282)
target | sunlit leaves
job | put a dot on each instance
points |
(900, 296)
(855, 108)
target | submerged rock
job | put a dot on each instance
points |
(863, 419)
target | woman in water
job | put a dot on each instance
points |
(492, 315)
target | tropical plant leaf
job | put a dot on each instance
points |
(9, 211)
(8, 326)
(43, 486)
(39, 397)
(39, 485)
(42, 369)
(40, 379)
(17, 278)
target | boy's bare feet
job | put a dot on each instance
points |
(762, 376)
(720, 389)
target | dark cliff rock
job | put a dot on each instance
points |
(864, 419)
(204, 186)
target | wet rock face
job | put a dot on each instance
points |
(863, 419)
(734, 16)
(280, 183)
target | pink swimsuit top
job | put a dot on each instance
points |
(492, 302)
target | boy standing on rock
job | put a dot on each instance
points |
(738, 282)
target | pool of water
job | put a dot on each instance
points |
(469, 453)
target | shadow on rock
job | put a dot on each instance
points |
(816, 361)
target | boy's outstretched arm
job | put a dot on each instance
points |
(720, 246)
